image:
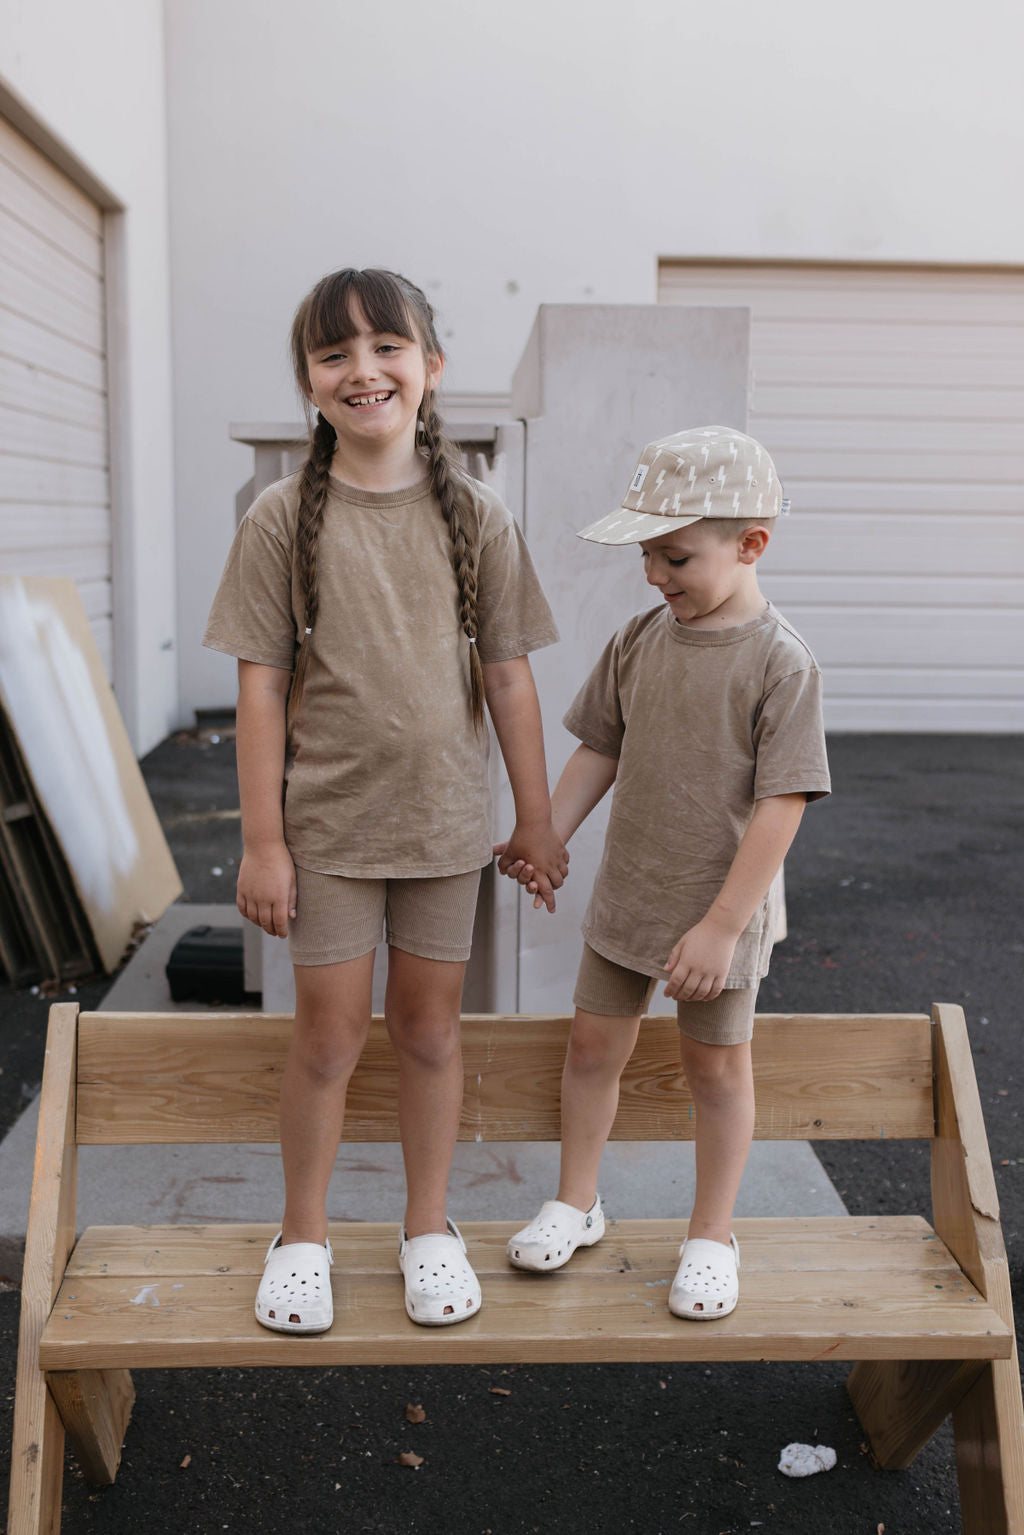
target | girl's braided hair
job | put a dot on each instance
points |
(392, 306)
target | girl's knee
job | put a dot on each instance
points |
(429, 1038)
(327, 1049)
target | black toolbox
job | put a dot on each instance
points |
(207, 965)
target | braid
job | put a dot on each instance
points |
(445, 479)
(312, 500)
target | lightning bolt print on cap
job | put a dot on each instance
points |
(709, 471)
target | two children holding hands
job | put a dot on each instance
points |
(378, 601)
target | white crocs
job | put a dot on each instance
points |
(554, 1234)
(706, 1285)
(295, 1291)
(440, 1286)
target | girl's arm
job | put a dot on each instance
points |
(699, 962)
(515, 711)
(585, 780)
(266, 876)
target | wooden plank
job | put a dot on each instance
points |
(989, 1423)
(37, 1458)
(802, 1243)
(902, 1403)
(95, 1406)
(185, 1078)
(604, 1308)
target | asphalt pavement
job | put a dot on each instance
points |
(906, 887)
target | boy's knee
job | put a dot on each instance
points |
(593, 1047)
(716, 1071)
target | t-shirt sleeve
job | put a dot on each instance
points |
(595, 714)
(789, 738)
(512, 612)
(251, 616)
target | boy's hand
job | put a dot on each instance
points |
(699, 963)
(266, 888)
(536, 857)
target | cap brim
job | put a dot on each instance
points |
(625, 527)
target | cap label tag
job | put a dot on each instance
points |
(639, 477)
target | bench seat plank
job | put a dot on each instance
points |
(831, 1288)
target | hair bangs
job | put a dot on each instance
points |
(338, 303)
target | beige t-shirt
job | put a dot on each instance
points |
(386, 775)
(704, 723)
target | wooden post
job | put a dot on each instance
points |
(988, 1423)
(37, 1455)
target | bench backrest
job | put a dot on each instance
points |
(214, 1077)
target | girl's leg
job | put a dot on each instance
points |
(722, 1083)
(332, 1019)
(422, 1006)
(599, 1048)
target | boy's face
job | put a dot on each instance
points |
(704, 577)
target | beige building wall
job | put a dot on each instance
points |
(548, 154)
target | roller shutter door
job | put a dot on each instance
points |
(55, 514)
(893, 399)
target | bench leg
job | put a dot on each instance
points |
(94, 1406)
(989, 1432)
(37, 1460)
(901, 1403)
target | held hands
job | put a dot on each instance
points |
(699, 963)
(537, 858)
(266, 889)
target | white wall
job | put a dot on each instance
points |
(506, 156)
(93, 77)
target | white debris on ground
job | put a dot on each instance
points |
(806, 1459)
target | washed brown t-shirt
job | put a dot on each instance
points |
(386, 775)
(704, 723)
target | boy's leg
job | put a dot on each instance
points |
(599, 1048)
(722, 1083)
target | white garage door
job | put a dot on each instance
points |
(54, 473)
(893, 401)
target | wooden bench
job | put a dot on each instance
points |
(921, 1310)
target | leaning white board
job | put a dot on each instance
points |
(60, 706)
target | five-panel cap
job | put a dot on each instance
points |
(709, 471)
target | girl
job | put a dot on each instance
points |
(376, 600)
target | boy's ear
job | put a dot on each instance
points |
(753, 543)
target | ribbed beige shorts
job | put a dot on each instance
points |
(341, 918)
(613, 991)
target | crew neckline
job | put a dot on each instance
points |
(731, 636)
(354, 494)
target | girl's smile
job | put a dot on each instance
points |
(369, 386)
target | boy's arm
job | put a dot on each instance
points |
(585, 780)
(266, 875)
(699, 962)
(515, 710)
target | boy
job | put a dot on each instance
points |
(705, 713)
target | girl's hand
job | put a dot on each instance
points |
(536, 857)
(699, 963)
(266, 888)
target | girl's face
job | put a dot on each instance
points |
(370, 386)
